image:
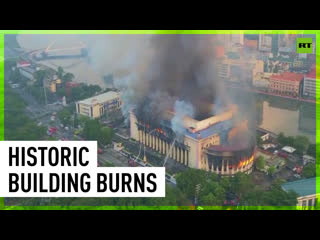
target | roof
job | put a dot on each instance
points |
(251, 43)
(288, 76)
(288, 149)
(311, 74)
(302, 187)
(307, 157)
(213, 129)
(105, 97)
(23, 63)
(229, 148)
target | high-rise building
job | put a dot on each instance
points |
(309, 84)
(265, 42)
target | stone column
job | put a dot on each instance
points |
(142, 137)
(160, 145)
(178, 154)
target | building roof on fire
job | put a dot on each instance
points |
(303, 187)
(214, 129)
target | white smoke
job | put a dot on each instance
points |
(181, 109)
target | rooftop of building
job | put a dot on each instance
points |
(312, 73)
(304, 187)
(288, 76)
(230, 148)
(105, 97)
(210, 131)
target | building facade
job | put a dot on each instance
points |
(286, 83)
(265, 42)
(97, 106)
(309, 84)
(205, 144)
(306, 189)
(261, 80)
(239, 70)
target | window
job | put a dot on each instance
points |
(310, 202)
(304, 203)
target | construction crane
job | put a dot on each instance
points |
(43, 54)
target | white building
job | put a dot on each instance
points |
(261, 80)
(96, 106)
(265, 42)
(309, 84)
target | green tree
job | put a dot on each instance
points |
(64, 116)
(40, 76)
(187, 181)
(259, 141)
(271, 170)
(312, 150)
(242, 183)
(15, 76)
(60, 72)
(91, 129)
(225, 183)
(209, 200)
(68, 77)
(260, 162)
(105, 136)
(309, 170)
(301, 144)
(76, 121)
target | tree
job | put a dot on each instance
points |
(260, 162)
(40, 76)
(91, 129)
(281, 138)
(241, 183)
(68, 77)
(15, 76)
(271, 170)
(105, 136)
(312, 150)
(301, 144)
(259, 140)
(187, 181)
(60, 72)
(225, 183)
(309, 170)
(209, 200)
(64, 116)
(76, 121)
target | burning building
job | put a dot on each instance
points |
(178, 105)
(213, 143)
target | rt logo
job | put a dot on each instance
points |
(304, 45)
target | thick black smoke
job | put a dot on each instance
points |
(177, 68)
(178, 73)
